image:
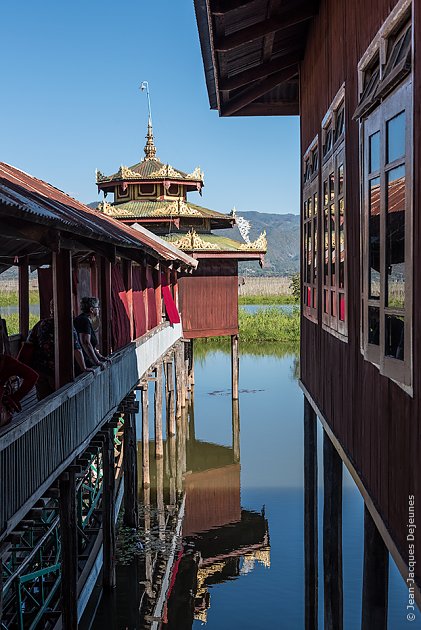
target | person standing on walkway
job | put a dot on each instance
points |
(84, 325)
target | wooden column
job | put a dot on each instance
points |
(172, 448)
(191, 363)
(310, 517)
(146, 479)
(108, 511)
(169, 391)
(375, 577)
(160, 497)
(235, 366)
(63, 317)
(179, 460)
(179, 379)
(159, 445)
(105, 303)
(24, 297)
(183, 371)
(332, 536)
(130, 469)
(69, 555)
(147, 529)
(236, 430)
(128, 284)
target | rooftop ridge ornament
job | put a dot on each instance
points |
(150, 149)
(192, 241)
(260, 243)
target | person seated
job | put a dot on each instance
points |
(84, 325)
(43, 355)
(13, 389)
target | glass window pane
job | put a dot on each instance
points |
(373, 325)
(395, 137)
(342, 243)
(315, 206)
(309, 207)
(325, 193)
(333, 303)
(326, 301)
(332, 186)
(332, 244)
(315, 249)
(394, 342)
(374, 239)
(395, 238)
(374, 152)
(340, 179)
(326, 247)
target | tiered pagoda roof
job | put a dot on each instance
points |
(155, 194)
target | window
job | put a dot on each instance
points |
(146, 189)
(387, 215)
(173, 189)
(123, 191)
(334, 276)
(310, 229)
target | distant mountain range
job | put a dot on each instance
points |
(283, 235)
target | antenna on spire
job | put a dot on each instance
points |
(150, 149)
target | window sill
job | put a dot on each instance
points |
(408, 389)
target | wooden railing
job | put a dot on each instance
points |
(42, 443)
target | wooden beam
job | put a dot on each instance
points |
(105, 303)
(310, 517)
(24, 297)
(128, 285)
(221, 7)
(259, 72)
(108, 512)
(130, 470)
(63, 317)
(375, 577)
(261, 29)
(250, 95)
(270, 109)
(69, 554)
(332, 536)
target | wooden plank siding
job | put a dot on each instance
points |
(376, 422)
(49, 438)
(208, 299)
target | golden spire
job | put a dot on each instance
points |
(150, 149)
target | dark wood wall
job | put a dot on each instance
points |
(377, 423)
(208, 299)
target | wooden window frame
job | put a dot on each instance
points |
(142, 195)
(310, 223)
(400, 100)
(332, 159)
(120, 194)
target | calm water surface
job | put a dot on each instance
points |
(245, 518)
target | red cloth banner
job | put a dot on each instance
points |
(170, 307)
(139, 311)
(120, 320)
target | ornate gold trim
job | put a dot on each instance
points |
(177, 208)
(260, 243)
(197, 174)
(192, 241)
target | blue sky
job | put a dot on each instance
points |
(71, 103)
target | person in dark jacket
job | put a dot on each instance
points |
(84, 325)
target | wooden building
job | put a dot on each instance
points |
(351, 71)
(154, 194)
(61, 466)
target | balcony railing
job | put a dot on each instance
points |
(41, 443)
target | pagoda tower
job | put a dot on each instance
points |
(154, 195)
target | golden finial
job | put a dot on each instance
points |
(150, 149)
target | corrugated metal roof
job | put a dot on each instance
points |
(35, 200)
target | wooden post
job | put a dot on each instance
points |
(130, 470)
(310, 517)
(183, 368)
(108, 512)
(179, 462)
(375, 577)
(169, 390)
(24, 298)
(159, 446)
(63, 317)
(236, 430)
(128, 284)
(191, 364)
(160, 497)
(146, 479)
(173, 467)
(147, 529)
(235, 366)
(69, 556)
(332, 536)
(105, 302)
(179, 379)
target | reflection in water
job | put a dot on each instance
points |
(221, 537)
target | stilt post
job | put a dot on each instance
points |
(169, 389)
(69, 554)
(130, 465)
(310, 517)
(235, 366)
(159, 446)
(375, 577)
(146, 479)
(332, 536)
(236, 429)
(108, 511)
